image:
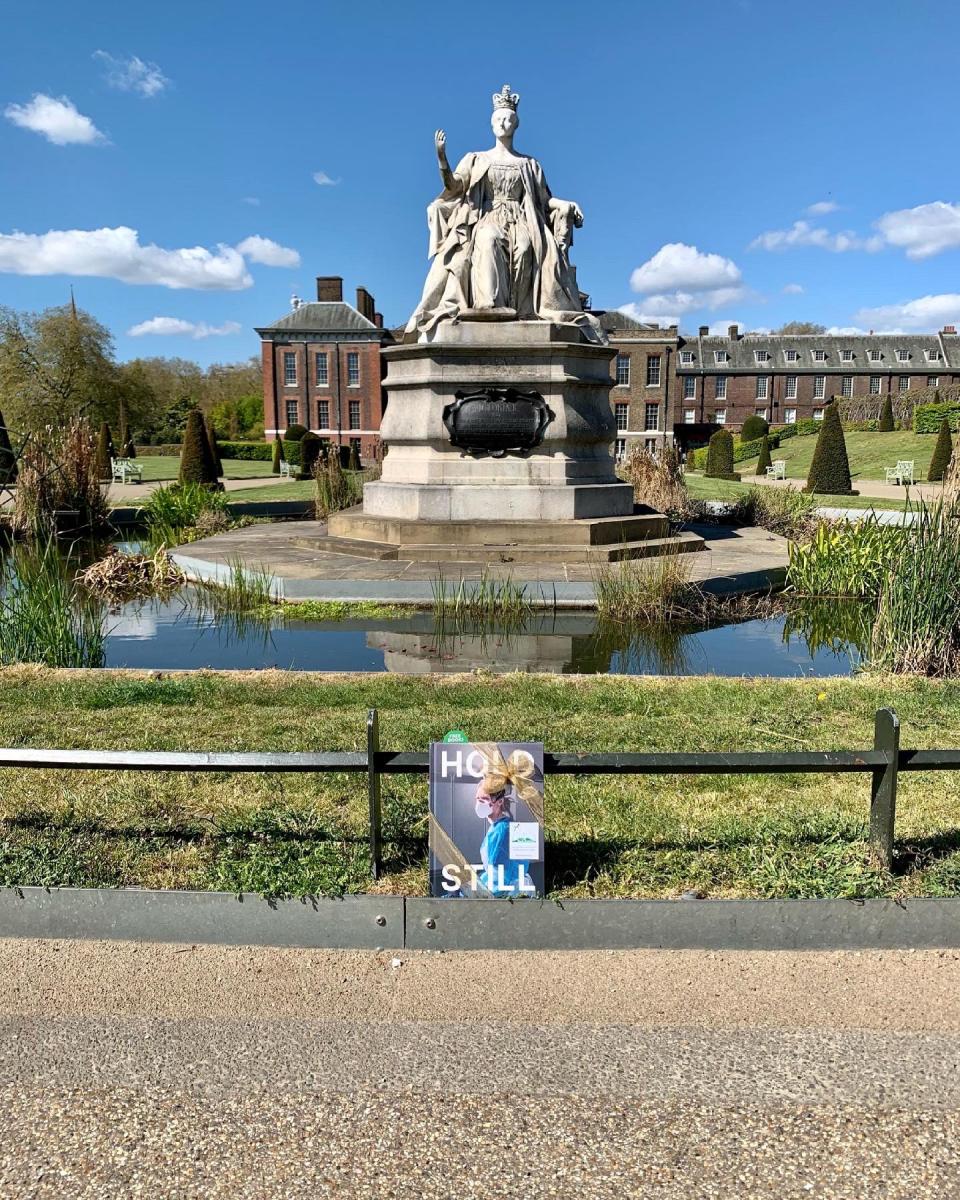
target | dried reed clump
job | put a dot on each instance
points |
(658, 481)
(211, 521)
(59, 474)
(120, 577)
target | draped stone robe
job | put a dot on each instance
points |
(453, 221)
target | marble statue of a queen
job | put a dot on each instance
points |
(499, 240)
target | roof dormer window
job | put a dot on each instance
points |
(903, 356)
(761, 356)
(933, 355)
(819, 356)
(792, 355)
(874, 355)
(686, 357)
(846, 355)
(720, 356)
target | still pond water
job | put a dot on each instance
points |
(181, 633)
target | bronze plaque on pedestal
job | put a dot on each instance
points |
(495, 421)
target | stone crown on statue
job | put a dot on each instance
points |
(505, 99)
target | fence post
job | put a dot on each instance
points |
(373, 789)
(883, 792)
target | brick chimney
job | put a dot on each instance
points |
(365, 304)
(733, 332)
(378, 320)
(950, 329)
(330, 288)
(704, 331)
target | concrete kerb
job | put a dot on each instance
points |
(420, 923)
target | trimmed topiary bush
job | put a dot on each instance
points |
(196, 461)
(927, 417)
(720, 456)
(105, 453)
(310, 447)
(942, 453)
(294, 433)
(886, 416)
(277, 455)
(8, 460)
(764, 460)
(830, 468)
(214, 448)
(753, 428)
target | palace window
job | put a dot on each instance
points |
(354, 414)
(623, 370)
(622, 414)
(620, 448)
(874, 355)
(289, 369)
(846, 385)
(651, 417)
(933, 381)
(903, 383)
(763, 384)
(293, 413)
(760, 412)
(653, 370)
(323, 376)
(686, 357)
(903, 356)
(846, 355)
(790, 416)
(323, 414)
(355, 447)
(721, 356)
(689, 387)
(689, 416)
(818, 414)
(353, 369)
(761, 356)
(819, 356)
(721, 387)
(875, 385)
(720, 416)
(792, 355)
(819, 386)
(933, 356)
(791, 393)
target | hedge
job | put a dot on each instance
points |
(168, 450)
(927, 418)
(248, 451)
(742, 452)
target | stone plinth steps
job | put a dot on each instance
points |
(643, 534)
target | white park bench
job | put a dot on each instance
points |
(902, 473)
(123, 470)
(285, 469)
(777, 469)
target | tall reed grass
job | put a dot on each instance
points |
(58, 475)
(846, 560)
(171, 511)
(480, 599)
(651, 589)
(336, 489)
(45, 615)
(658, 482)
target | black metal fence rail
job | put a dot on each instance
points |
(883, 762)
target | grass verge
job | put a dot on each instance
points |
(701, 488)
(792, 835)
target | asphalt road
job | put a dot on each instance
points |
(165, 1071)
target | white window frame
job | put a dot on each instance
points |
(761, 356)
(903, 356)
(933, 381)
(623, 370)
(353, 361)
(353, 412)
(719, 416)
(721, 389)
(322, 357)
(791, 388)
(903, 383)
(932, 355)
(621, 415)
(321, 405)
(687, 358)
(819, 356)
(789, 416)
(620, 448)
(819, 387)
(653, 408)
(874, 355)
(721, 357)
(792, 355)
(762, 391)
(295, 405)
(876, 385)
(689, 387)
(289, 357)
(846, 356)
(760, 412)
(654, 368)
(846, 386)
(689, 416)
(818, 414)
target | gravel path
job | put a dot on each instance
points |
(166, 1071)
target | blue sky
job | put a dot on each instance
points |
(743, 161)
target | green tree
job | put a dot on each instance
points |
(54, 366)
(886, 415)
(830, 469)
(105, 452)
(214, 448)
(196, 461)
(277, 455)
(942, 454)
(753, 427)
(764, 460)
(720, 456)
(8, 460)
(310, 447)
(294, 433)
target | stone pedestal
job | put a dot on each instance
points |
(569, 476)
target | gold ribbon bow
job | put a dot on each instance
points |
(517, 770)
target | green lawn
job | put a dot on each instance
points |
(725, 489)
(792, 835)
(295, 490)
(869, 453)
(158, 468)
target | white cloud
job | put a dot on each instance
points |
(324, 180)
(722, 328)
(679, 267)
(684, 302)
(269, 254)
(252, 200)
(853, 331)
(802, 233)
(793, 289)
(648, 318)
(57, 120)
(175, 326)
(923, 231)
(133, 74)
(926, 313)
(821, 208)
(118, 254)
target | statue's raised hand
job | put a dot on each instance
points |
(440, 141)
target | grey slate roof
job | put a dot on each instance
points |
(612, 321)
(322, 316)
(741, 354)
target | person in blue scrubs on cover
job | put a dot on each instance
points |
(492, 804)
